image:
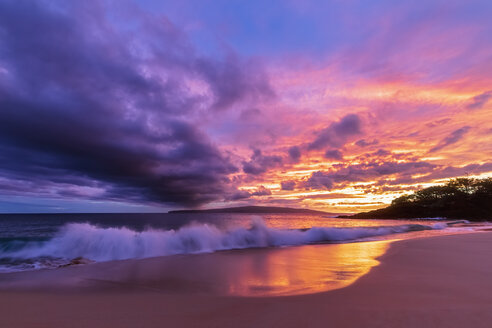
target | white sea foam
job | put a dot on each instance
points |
(105, 244)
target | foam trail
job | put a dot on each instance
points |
(105, 244)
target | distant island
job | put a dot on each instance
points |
(463, 198)
(257, 209)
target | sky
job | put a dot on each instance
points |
(149, 106)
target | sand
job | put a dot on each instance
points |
(428, 282)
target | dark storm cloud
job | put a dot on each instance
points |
(83, 104)
(480, 100)
(337, 134)
(452, 138)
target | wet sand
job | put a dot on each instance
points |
(429, 282)
(278, 271)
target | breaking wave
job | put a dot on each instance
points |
(95, 243)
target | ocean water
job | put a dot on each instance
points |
(29, 242)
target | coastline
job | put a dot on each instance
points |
(441, 281)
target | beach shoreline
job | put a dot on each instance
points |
(430, 282)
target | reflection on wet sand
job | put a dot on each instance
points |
(304, 269)
(250, 272)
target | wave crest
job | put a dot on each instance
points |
(106, 244)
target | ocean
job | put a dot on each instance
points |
(40, 241)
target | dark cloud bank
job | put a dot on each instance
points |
(85, 105)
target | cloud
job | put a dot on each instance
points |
(346, 173)
(437, 123)
(319, 180)
(85, 103)
(245, 194)
(294, 153)
(454, 171)
(100, 101)
(239, 195)
(480, 100)
(438, 172)
(337, 134)
(334, 154)
(383, 153)
(288, 185)
(261, 191)
(234, 81)
(365, 143)
(259, 163)
(331, 196)
(452, 138)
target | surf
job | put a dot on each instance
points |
(89, 241)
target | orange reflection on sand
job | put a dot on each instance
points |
(249, 272)
(303, 269)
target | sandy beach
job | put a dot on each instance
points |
(440, 281)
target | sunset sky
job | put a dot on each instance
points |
(341, 106)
